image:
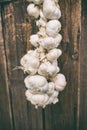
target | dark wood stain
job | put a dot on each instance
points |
(83, 68)
(15, 29)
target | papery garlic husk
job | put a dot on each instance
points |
(36, 84)
(39, 100)
(60, 82)
(48, 70)
(37, 2)
(34, 39)
(53, 97)
(50, 42)
(51, 10)
(30, 63)
(53, 27)
(33, 10)
(41, 23)
(51, 88)
(42, 32)
(42, 15)
(53, 54)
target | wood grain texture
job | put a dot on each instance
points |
(83, 68)
(5, 106)
(64, 115)
(17, 29)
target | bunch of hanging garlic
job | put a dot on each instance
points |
(44, 81)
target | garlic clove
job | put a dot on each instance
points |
(53, 27)
(33, 10)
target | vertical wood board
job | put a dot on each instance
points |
(64, 115)
(5, 102)
(83, 69)
(17, 30)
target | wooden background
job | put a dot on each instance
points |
(15, 29)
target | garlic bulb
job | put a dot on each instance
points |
(48, 70)
(30, 63)
(60, 82)
(33, 10)
(54, 54)
(36, 83)
(44, 82)
(37, 99)
(53, 27)
(52, 11)
(50, 42)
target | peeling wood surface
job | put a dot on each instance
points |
(15, 29)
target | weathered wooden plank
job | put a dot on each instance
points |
(83, 68)
(17, 29)
(5, 102)
(64, 115)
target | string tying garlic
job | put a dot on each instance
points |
(44, 81)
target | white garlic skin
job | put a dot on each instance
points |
(60, 82)
(48, 70)
(54, 54)
(39, 100)
(51, 88)
(36, 83)
(34, 39)
(50, 42)
(37, 2)
(33, 11)
(42, 15)
(51, 10)
(53, 27)
(30, 63)
(47, 43)
(41, 23)
(53, 97)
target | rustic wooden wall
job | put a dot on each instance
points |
(15, 28)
